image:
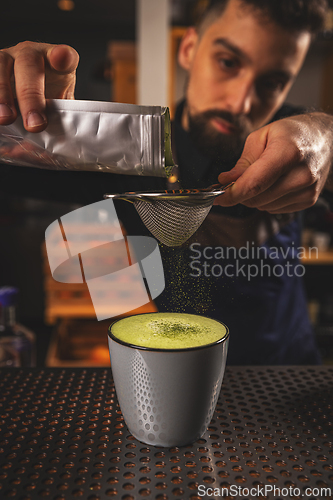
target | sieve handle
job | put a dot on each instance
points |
(130, 199)
(227, 186)
(218, 186)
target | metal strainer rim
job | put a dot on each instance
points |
(194, 195)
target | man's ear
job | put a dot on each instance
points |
(187, 48)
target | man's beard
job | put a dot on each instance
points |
(214, 144)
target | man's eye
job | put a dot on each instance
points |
(228, 63)
(272, 86)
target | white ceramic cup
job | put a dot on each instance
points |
(167, 397)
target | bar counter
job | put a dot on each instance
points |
(62, 436)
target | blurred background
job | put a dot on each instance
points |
(128, 53)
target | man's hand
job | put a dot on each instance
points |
(33, 72)
(284, 165)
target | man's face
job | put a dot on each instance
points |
(240, 70)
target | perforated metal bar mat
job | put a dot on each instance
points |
(63, 437)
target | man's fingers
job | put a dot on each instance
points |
(33, 72)
(288, 209)
(231, 176)
(29, 69)
(254, 181)
(253, 149)
(298, 183)
(63, 59)
(302, 198)
(7, 106)
(260, 180)
(61, 64)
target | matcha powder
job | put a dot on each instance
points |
(184, 293)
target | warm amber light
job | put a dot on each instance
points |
(173, 178)
(66, 4)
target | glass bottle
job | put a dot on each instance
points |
(17, 343)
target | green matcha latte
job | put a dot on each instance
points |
(168, 330)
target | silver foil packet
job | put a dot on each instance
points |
(96, 136)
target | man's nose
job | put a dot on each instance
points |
(239, 95)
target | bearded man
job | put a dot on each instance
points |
(242, 265)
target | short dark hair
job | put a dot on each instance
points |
(292, 15)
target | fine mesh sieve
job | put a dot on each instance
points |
(173, 216)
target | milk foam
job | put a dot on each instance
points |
(168, 330)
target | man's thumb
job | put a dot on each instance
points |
(232, 175)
